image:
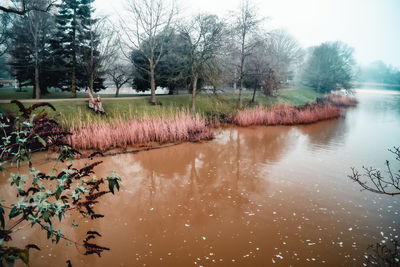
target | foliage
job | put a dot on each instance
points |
(204, 35)
(329, 67)
(172, 69)
(379, 72)
(29, 39)
(71, 43)
(144, 23)
(46, 197)
(5, 23)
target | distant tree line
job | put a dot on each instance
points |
(61, 44)
(378, 72)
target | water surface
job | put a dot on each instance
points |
(252, 197)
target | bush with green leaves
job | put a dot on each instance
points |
(46, 197)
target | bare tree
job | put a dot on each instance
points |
(121, 74)
(37, 21)
(26, 6)
(142, 27)
(284, 52)
(204, 35)
(246, 24)
(103, 47)
(273, 61)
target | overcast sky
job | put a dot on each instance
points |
(372, 27)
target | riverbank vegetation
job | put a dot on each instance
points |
(179, 127)
(75, 114)
(134, 122)
(324, 108)
(43, 198)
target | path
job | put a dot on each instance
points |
(82, 99)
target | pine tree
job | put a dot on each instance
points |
(72, 44)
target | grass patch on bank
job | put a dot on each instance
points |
(26, 93)
(75, 114)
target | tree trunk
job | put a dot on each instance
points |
(240, 93)
(73, 75)
(242, 68)
(91, 82)
(91, 68)
(195, 78)
(254, 95)
(152, 84)
(37, 83)
(117, 92)
(35, 24)
(73, 81)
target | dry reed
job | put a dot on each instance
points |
(340, 100)
(285, 115)
(102, 136)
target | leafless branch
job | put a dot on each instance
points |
(373, 180)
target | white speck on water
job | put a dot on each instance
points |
(350, 229)
(273, 261)
(151, 209)
(274, 212)
(187, 225)
(204, 238)
(279, 256)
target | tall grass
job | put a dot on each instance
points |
(327, 107)
(286, 115)
(103, 136)
(340, 100)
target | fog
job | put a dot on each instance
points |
(370, 26)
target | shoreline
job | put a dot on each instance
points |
(185, 128)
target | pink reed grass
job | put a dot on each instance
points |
(140, 132)
(286, 115)
(341, 101)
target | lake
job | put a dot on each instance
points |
(253, 196)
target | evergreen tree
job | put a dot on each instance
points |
(172, 71)
(72, 45)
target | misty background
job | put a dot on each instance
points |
(371, 27)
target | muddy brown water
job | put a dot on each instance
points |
(256, 196)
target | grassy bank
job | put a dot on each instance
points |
(136, 122)
(26, 93)
(75, 114)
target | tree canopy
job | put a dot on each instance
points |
(329, 67)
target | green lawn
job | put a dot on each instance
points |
(12, 93)
(76, 113)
